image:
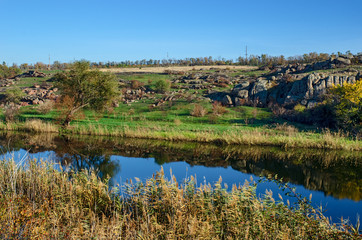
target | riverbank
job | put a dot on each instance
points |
(41, 202)
(184, 113)
(280, 135)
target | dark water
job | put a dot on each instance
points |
(334, 178)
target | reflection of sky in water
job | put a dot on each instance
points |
(144, 168)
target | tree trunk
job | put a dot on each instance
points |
(67, 121)
(70, 114)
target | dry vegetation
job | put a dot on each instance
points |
(174, 68)
(39, 202)
(285, 136)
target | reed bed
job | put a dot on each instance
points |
(39, 202)
(32, 125)
(285, 136)
(236, 136)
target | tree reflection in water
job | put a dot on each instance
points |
(336, 173)
(89, 157)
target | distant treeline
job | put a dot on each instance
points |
(252, 60)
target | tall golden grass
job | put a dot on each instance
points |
(39, 202)
(282, 136)
(32, 125)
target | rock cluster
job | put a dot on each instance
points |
(8, 82)
(32, 73)
(38, 95)
(203, 81)
(134, 95)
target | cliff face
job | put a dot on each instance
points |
(294, 84)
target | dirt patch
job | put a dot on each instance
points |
(174, 68)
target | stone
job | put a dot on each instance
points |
(329, 82)
(35, 101)
(24, 104)
(242, 94)
(241, 90)
(243, 85)
(226, 100)
(238, 102)
(342, 60)
(304, 102)
(311, 104)
(259, 92)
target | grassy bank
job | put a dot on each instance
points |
(278, 135)
(43, 203)
(189, 116)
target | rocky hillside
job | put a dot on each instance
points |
(293, 84)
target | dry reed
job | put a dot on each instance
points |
(281, 136)
(39, 202)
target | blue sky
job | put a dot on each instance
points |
(132, 30)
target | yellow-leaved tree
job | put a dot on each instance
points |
(349, 105)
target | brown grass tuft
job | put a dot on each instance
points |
(198, 111)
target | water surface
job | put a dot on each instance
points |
(332, 177)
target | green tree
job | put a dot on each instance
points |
(84, 88)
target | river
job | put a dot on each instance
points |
(332, 178)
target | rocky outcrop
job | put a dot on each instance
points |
(306, 91)
(332, 63)
(32, 73)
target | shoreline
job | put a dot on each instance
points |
(254, 136)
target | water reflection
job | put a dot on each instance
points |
(336, 173)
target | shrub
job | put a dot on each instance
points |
(135, 84)
(162, 86)
(322, 115)
(11, 111)
(218, 108)
(13, 95)
(299, 108)
(198, 111)
(46, 107)
(8, 72)
(276, 109)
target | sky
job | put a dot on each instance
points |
(117, 30)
